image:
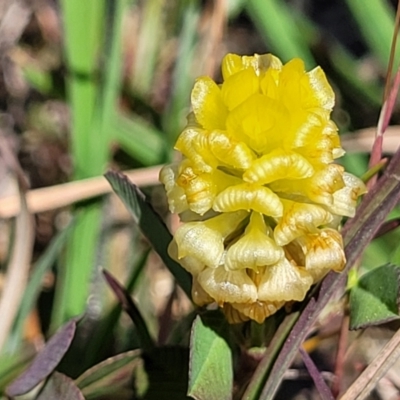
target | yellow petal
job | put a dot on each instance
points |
(175, 194)
(262, 63)
(191, 264)
(269, 83)
(197, 240)
(324, 183)
(345, 199)
(259, 310)
(299, 219)
(204, 240)
(228, 286)
(323, 252)
(319, 188)
(229, 151)
(315, 139)
(249, 197)
(232, 64)
(278, 164)
(193, 143)
(289, 84)
(232, 315)
(207, 104)
(284, 282)
(258, 122)
(191, 216)
(320, 93)
(255, 248)
(200, 188)
(307, 132)
(199, 296)
(248, 82)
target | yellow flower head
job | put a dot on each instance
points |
(257, 190)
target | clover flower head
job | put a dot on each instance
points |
(260, 184)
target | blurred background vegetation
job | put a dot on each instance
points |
(87, 86)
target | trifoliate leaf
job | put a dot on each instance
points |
(375, 298)
(210, 370)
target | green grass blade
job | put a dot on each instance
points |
(139, 139)
(93, 104)
(278, 27)
(75, 276)
(178, 106)
(83, 38)
(110, 88)
(347, 68)
(150, 38)
(33, 288)
(375, 19)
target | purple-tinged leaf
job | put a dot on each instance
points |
(45, 362)
(316, 376)
(60, 386)
(131, 309)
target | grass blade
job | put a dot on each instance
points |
(35, 281)
(375, 19)
(93, 107)
(276, 24)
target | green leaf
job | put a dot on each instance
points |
(210, 368)
(374, 300)
(109, 376)
(150, 224)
